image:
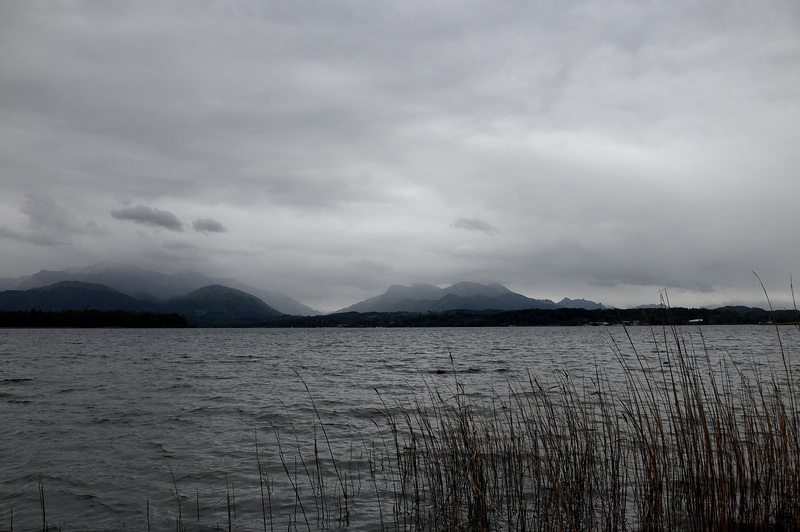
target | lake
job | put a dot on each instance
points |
(108, 425)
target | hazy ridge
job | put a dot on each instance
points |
(204, 301)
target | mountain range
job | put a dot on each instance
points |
(206, 301)
(148, 285)
(213, 305)
(460, 296)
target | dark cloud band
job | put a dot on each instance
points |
(142, 214)
(473, 224)
(208, 225)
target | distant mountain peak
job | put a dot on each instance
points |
(221, 305)
(464, 295)
(216, 291)
(149, 285)
(69, 295)
(75, 284)
(212, 305)
(580, 303)
(467, 288)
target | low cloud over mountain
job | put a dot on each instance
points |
(152, 286)
(460, 296)
(213, 305)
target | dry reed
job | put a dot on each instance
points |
(694, 445)
(682, 441)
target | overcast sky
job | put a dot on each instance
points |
(328, 149)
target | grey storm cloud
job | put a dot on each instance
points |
(49, 223)
(208, 225)
(144, 215)
(474, 224)
(589, 148)
(45, 213)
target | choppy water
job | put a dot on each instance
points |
(111, 422)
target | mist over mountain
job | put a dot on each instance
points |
(460, 296)
(150, 285)
(221, 305)
(153, 291)
(70, 295)
(580, 303)
(213, 305)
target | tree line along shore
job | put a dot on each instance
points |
(88, 318)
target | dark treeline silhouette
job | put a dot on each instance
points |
(90, 319)
(545, 317)
(455, 318)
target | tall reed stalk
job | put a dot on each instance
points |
(676, 440)
(686, 443)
